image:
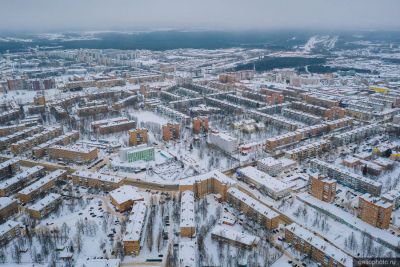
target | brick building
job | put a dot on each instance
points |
(322, 187)
(138, 137)
(8, 207)
(170, 131)
(375, 211)
(200, 124)
(134, 227)
(75, 153)
(124, 197)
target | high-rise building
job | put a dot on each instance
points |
(375, 211)
(322, 187)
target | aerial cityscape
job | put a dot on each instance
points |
(199, 147)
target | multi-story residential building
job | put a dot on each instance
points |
(74, 153)
(42, 185)
(347, 178)
(134, 227)
(44, 206)
(97, 180)
(200, 124)
(375, 211)
(8, 231)
(233, 237)
(187, 222)
(116, 127)
(124, 197)
(321, 251)
(213, 182)
(8, 207)
(223, 141)
(20, 180)
(308, 150)
(96, 124)
(273, 187)
(9, 168)
(393, 196)
(253, 208)
(138, 136)
(65, 139)
(171, 131)
(322, 187)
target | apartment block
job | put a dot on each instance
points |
(116, 127)
(97, 180)
(274, 166)
(322, 187)
(39, 138)
(138, 136)
(171, 132)
(8, 207)
(187, 222)
(124, 197)
(233, 237)
(9, 115)
(355, 135)
(6, 141)
(321, 251)
(213, 182)
(96, 124)
(273, 187)
(41, 186)
(20, 180)
(9, 168)
(225, 142)
(65, 139)
(308, 150)
(347, 178)
(73, 153)
(253, 208)
(134, 228)
(92, 110)
(375, 211)
(8, 231)
(44, 207)
(7, 130)
(200, 124)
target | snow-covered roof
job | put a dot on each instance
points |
(74, 148)
(98, 263)
(44, 202)
(253, 203)
(187, 253)
(229, 233)
(187, 218)
(376, 200)
(135, 222)
(126, 193)
(7, 226)
(222, 178)
(5, 201)
(21, 176)
(98, 176)
(38, 184)
(9, 162)
(262, 178)
(320, 244)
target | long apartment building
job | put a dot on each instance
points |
(187, 222)
(96, 124)
(9, 168)
(124, 197)
(320, 100)
(6, 141)
(134, 229)
(97, 180)
(7, 130)
(347, 178)
(9, 115)
(293, 137)
(308, 150)
(375, 211)
(273, 187)
(8, 231)
(20, 180)
(213, 182)
(42, 185)
(297, 115)
(233, 237)
(332, 113)
(8, 207)
(73, 153)
(321, 251)
(253, 208)
(92, 110)
(44, 206)
(65, 139)
(355, 135)
(30, 142)
(116, 127)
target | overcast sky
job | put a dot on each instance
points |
(53, 15)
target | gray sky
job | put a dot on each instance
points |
(52, 15)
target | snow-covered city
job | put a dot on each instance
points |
(194, 148)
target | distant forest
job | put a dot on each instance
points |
(269, 63)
